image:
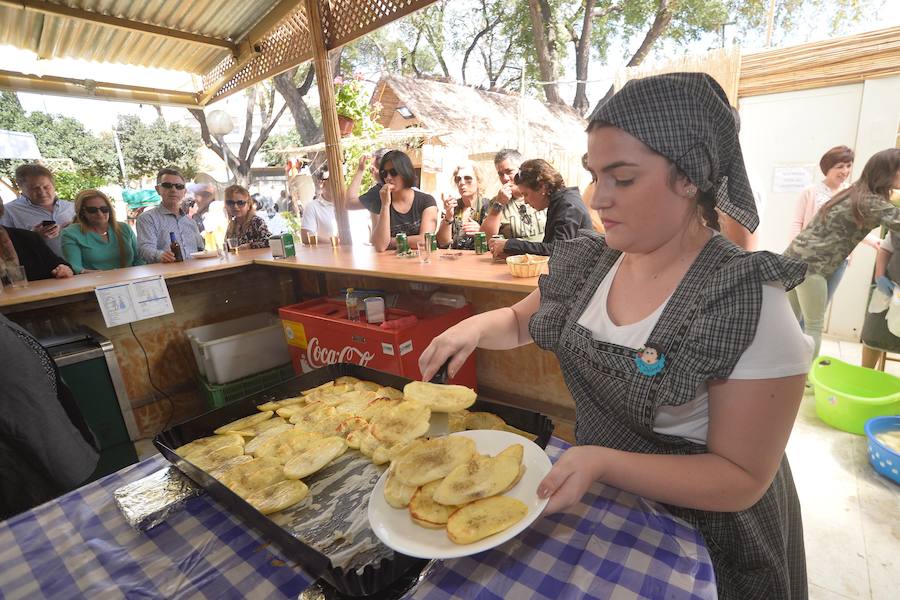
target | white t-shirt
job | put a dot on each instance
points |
(318, 217)
(779, 349)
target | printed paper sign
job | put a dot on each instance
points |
(123, 303)
(791, 180)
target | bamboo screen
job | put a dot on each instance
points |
(851, 59)
(723, 65)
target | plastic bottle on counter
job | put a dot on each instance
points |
(447, 299)
(352, 306)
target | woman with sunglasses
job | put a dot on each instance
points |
(543, 188)
(463, 216)
(95, 241)
(244, 224)
(403, 209)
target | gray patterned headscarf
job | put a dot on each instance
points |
(686, 118)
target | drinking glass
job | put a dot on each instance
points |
(17, 277)
(424, 249)
(335, 241)
(233, 244)
(313, 239)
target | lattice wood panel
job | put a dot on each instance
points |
(288, 44)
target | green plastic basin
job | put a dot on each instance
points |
(847, 395)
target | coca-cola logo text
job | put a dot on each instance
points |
(320, 356)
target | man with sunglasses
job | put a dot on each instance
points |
(155, 224)
(38, 208)
(509, 215)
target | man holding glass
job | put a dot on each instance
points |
(155, 224)
(509, 215)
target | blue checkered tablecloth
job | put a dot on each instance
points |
(612, 545)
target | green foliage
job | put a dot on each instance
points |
(69, 184)
(60, 137)
(293, 222)
(150, 147)
(350, 97)
(277, 142)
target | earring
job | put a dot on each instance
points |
(692, 191)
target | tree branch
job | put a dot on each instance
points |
(489, 26)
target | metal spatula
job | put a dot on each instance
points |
(439, 424)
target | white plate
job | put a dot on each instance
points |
(394, 527)
(205, 254)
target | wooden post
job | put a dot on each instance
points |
(333, 154)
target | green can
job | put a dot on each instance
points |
(432, 241)
(288, 241)
(481, 245)
(402, 243)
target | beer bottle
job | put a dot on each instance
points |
(175, 247)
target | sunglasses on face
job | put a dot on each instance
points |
(94, 209)
(466, 178)
(385, 172)
(235, 202)
(169, 185)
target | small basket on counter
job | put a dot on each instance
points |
(527, 265)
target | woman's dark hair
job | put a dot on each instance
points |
(402, 164)
(838, 154)
(537, 172)
(877, 178)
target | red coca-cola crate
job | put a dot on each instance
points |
(318, 333)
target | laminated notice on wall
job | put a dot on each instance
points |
(136, 300)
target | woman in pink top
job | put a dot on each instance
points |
(836, 165)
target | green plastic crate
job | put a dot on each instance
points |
(218, 395)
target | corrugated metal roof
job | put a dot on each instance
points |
(51, 36)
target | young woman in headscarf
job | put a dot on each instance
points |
(680, 349)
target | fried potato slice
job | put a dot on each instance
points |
(381, 454)
(514, 451)
(369, 444)
(308, 418)
(278, 496)
(484, 518)
(286, 444)
(525, 434)
(261, 428)
(315, 457)
(480, 477)
(216, 458)
(354, 438)
(232, 462)
(423, 508)
(324, 386)
(245, 423)
(208, 444)
(251, 446)
(456, 421)
(484, 420)
(433, 459)
(378, 406)
(366, 386)
(397, 494)
(351, 424)
(440, 398)
(276, 404)
(389, 392)
(288, 412)
(515, 481)
(347, 379)
(245, 478)
(402, 423)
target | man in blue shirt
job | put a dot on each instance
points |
(37, 208)
(154, 225)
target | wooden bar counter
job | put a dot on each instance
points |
(210, 290)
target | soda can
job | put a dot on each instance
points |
(481, 245)
(432, 241)
(402, 243)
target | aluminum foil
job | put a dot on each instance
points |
(333, 519)
(148, 502)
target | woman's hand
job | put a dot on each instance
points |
(456, 344)
(569, 479)
(385, 193)
(497, 247)
(471, 227)
(449, 207)
(62, 272)
(364, 161)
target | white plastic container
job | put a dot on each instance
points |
(237, 348)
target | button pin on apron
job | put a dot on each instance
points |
(649, 361)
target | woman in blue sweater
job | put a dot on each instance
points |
(95, 241)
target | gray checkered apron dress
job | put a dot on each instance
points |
(703, 330)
